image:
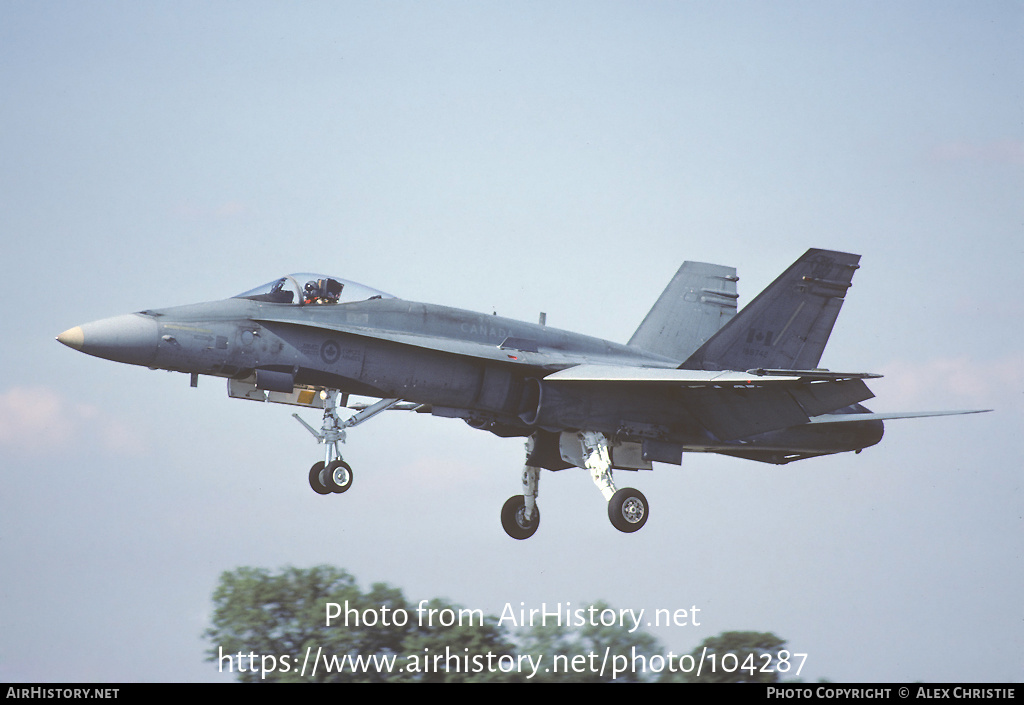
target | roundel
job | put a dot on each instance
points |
(330, 351)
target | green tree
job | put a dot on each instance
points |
(272, 626)
(264, 624)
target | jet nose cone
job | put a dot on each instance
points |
(72, 337)
(131, 338)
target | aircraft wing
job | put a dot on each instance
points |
(730, 404)
(734, 405)
(699, 378)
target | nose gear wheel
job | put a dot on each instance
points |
(333, 475)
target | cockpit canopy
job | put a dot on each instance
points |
(312, 289)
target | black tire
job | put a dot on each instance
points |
(338, 476)
(628, 510)
(314, 479)
(513, 518)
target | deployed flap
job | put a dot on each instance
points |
(789, 323)
(823, 397)
(700, 299)
(730, 405)
(738, 412)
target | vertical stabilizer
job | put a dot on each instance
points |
(699, 300)
(789, 323)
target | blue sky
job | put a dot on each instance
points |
(562, 157)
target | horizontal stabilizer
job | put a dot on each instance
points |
(853, 418)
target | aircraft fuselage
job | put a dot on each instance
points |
(391, 348)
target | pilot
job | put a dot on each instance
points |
(311, 293)
(322, 291)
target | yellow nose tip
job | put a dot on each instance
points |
(72, 337)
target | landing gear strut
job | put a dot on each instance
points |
(627, 508)
(333, 475)
(520, 516)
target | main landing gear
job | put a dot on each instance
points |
(333, 475)
(520, 516)
(627, 508)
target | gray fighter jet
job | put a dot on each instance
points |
(695, 377)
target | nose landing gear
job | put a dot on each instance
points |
(333, 475)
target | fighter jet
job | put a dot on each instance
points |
(696, 376)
